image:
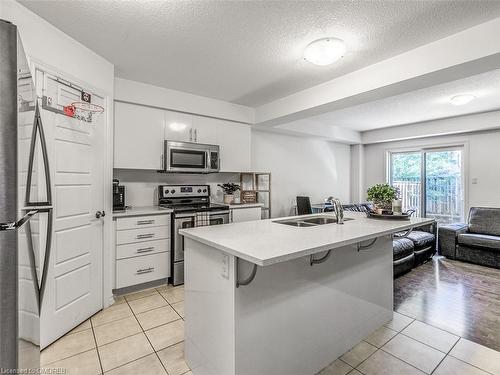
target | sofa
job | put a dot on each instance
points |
(414, 249)
(409, 250)
(477, 241)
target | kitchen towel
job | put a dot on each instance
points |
(202, 219)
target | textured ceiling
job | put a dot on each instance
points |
(421, 105)
(250, 52)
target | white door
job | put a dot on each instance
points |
(138, 137)
(204, 130)
(178, 126)
(74, 279)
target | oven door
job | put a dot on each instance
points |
(219, 218)
(185, 157)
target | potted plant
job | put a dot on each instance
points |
(382, 196)
(229, 188)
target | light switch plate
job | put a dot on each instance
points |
(474, 181)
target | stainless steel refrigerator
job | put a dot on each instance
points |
(25, 207)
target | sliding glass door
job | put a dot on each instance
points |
(430, 181)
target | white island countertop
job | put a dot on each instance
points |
(265, 242)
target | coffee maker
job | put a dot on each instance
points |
(118, 196)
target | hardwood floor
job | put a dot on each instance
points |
(458, 297)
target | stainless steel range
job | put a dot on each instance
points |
(188, 201)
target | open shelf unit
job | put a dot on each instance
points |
(260, 183)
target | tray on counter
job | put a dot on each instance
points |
(374, 215)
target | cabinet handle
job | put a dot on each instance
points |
(145, 270)
(196, 135)
(191, 135)
(149, 235)
(231, 215)
(161, 162)
(145, 222)
(146, 249)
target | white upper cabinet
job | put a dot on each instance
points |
(189, 128)
(178, 126)
(140, 132)
(234, 141)
(138, 137)
(204, 130)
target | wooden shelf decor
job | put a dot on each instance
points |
(257, 185)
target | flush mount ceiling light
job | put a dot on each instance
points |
(325, 51)
(462, 99)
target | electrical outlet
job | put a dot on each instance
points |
(474, 181)
(225, 266)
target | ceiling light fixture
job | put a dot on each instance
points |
(462, 99)
(325, 51)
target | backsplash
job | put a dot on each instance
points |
(141, 186)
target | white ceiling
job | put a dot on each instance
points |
(421, 105)
(250, 52)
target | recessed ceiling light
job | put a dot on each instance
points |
(325, 51)
(462, 99)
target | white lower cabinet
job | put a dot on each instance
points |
(237, 215)
(142, 249)
(138, 270)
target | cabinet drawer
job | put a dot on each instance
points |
(142, 269)
(142, 248)
(141, 235)
(142, 222)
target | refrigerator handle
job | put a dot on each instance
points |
(38, 128)
(40, 287)
(45, 270)
(16, 224)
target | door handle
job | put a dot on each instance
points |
(146, 249)
(145, 222)
(145, 270)
(100, 214)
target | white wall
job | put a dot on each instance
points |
(154, 96)
(47, 44)
(482, 161)
(301, 166)
(141, 187)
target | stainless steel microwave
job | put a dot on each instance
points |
(187, 157)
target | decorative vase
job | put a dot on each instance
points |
(228, 198)
(381, 206)
(397, 207)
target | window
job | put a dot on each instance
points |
(431, 181)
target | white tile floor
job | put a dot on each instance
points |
(406, 346)
(144, 333)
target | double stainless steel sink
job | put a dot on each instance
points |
(310, 221)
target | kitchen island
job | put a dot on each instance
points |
(271, 297)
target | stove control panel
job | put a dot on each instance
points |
(179, 191)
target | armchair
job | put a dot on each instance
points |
(477, 241)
